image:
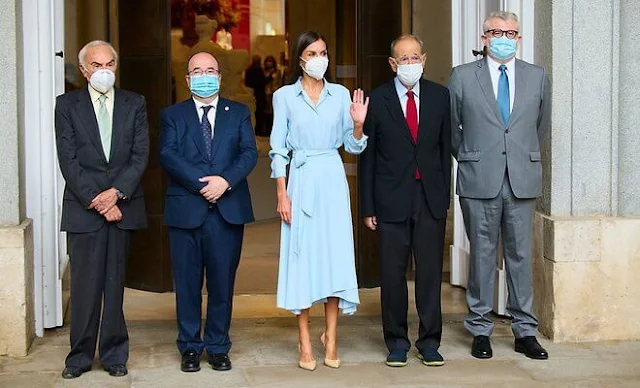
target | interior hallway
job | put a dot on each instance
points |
(258, 270)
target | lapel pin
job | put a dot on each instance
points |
(226, 108)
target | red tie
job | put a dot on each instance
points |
(412, 121)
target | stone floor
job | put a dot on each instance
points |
(264, 354)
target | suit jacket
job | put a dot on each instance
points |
(84, 165)
(483, 145)
(183, 156)
(388, 164)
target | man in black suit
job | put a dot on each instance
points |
(102, 138)
(405, 182)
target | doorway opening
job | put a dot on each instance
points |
(154, 39)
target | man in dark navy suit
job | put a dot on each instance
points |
(208, 148)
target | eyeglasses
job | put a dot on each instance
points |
(497, 33)
(404, 60)
(199, 71)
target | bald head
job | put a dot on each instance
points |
(204, 68)
(203, 61)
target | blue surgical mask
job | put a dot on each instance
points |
(204, 85)
(503, 48)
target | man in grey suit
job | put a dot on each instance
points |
(500, 108)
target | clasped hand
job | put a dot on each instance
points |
(216, 186)
(114, 214)
(105, 204)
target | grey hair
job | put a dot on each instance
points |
(403, 37)
(504, 15)
(83, 52)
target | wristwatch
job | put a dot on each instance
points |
(120, 195)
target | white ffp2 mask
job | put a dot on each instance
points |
(410, 74)
(316, 67)
(102, 80)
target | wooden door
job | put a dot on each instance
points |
(144, 67)
(379, 22)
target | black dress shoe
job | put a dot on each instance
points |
(481, 347)
(190, 361)
(117, 370)
(220, 361)
(531, 348)
(71, 372)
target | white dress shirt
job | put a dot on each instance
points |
(402, 95)
(95, 96)
(494, 70)
(212, 112)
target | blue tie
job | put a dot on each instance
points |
(503, 94)
(205, 125)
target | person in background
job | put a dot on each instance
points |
(273, 83)
(255, 79)
(102, 138)
(312, 119)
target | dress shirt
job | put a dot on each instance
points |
(402, 95)
(95, 96)
(212, 112)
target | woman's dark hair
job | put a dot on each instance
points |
(304, 40)
(272, 59)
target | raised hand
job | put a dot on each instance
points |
(359, 107)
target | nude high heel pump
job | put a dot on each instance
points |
(309, 365)
(335, 364)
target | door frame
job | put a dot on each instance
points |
(44, 183)
(43, 79)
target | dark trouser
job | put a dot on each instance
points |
(484, 220)
(98, 263)
(214, 246)
(422, 236)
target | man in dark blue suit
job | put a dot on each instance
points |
(208, 148)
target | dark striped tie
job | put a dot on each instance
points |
(205, 125)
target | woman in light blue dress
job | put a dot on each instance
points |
(312, 119)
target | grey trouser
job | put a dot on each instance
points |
(484, 220)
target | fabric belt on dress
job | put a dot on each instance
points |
(306, 189)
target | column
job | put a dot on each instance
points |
(586, 245)
(16, 242)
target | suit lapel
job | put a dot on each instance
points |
(392, 103)
(425, 112)
(521, 86)
(193, 124)
(484, 78)
(88, 116)
(221, 123)
(120, 112)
